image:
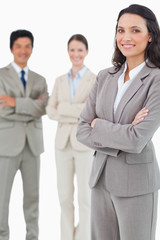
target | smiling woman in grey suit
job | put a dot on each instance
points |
(125, 175)
(68, 98)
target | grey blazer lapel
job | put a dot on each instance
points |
(14, 76)
(109, 95)
(131, 91)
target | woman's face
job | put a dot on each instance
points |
(77, 52)
(132, 36)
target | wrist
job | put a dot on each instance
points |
(13, 102)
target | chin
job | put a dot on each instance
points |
(128, 54)
(77, 64)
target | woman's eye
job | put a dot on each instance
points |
(120, 30)
(136, 30)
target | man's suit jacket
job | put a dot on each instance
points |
(124, 152)
(66, 113)
(24, 121)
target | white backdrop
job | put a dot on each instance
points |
(52, 22)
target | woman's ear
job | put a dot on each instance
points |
(150, 37)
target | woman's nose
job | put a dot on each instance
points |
(127, 36)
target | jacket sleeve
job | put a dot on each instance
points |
(27, 109)
(127, 138)
(67, 109)
(8, 113)
(53, 106)
(84, 129)
(34, 108)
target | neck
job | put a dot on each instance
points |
(132, 63)
(21, 65)
(75, 70)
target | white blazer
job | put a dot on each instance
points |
(66, 113)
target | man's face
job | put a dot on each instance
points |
(21, 50)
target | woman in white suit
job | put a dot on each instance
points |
(67, 100)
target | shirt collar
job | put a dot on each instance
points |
(19, 69)
(134, 71)
(80, 74)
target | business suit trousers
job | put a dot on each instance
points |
(29, 167)
(122, 218)
(70, 162)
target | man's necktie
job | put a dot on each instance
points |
(22, 78)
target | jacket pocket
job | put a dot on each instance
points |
(146, 156)
(139, 158)
(6, 125)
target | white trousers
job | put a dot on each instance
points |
(70, 162)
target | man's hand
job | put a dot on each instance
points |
(40, 98)
(7, 101)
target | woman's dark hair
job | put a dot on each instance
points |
(78, 37)
(152, 51)
(20, 34)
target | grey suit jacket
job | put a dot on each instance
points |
(24, 121)
(125, 152)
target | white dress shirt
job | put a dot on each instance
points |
(122, 86)
(18, 70)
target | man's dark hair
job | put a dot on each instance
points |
(20, 34)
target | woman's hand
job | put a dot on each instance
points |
(93, 122)
(140, 116)
(85, 100)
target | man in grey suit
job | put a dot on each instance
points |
(23, 98)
